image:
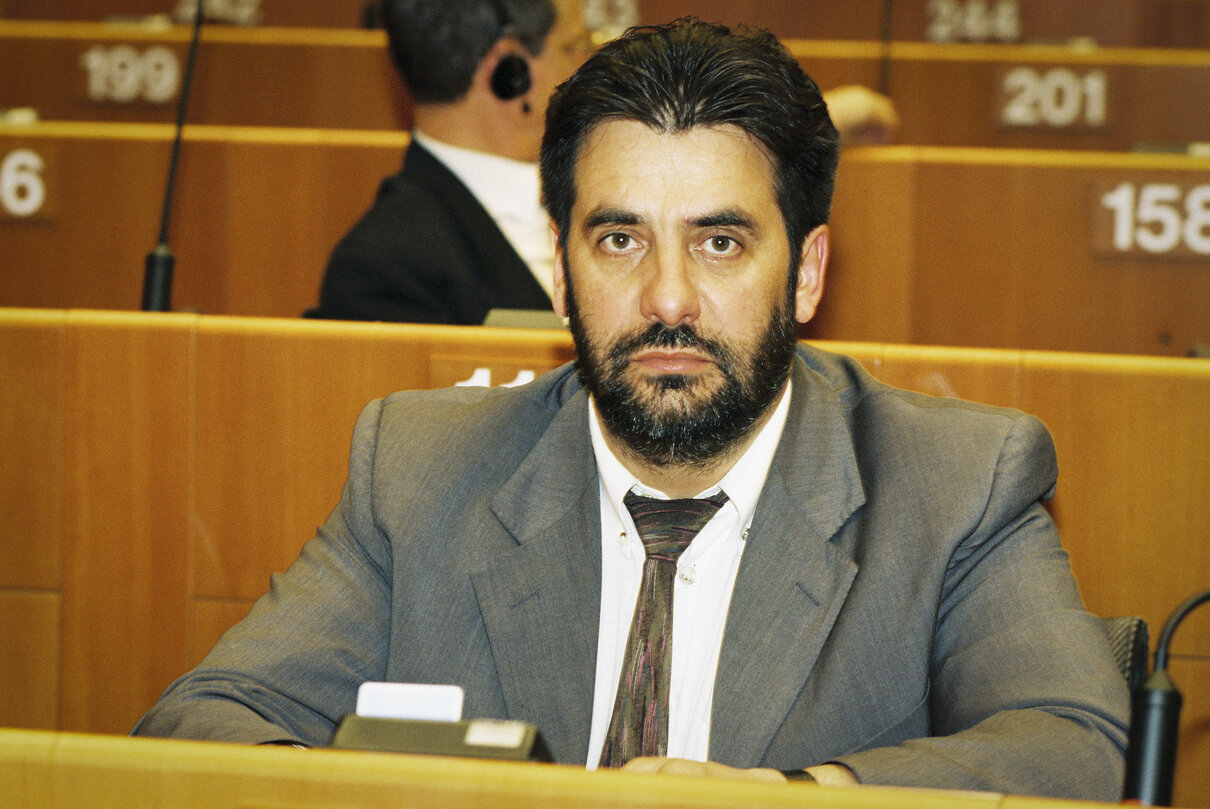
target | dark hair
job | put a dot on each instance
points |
(438, 44)
(689, 73)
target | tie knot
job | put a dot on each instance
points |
(666, 527)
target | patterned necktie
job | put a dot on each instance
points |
(639, 726)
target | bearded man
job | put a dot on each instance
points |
(702, 548)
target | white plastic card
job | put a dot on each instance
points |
(433, 703)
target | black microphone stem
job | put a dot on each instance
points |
(1155, 723)
(158, 266)
(884, 61)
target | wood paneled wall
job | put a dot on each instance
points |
(155, 469)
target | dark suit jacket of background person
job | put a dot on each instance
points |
(426, 252)
(901, 580)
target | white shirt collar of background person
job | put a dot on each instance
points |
(509, 191)
(705, 578)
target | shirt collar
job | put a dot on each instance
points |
(505, 187)
(742, 483)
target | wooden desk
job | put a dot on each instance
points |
(75, 771)
(1125, 23)
(1118, 23)
(1020, 249)
(1012, 249)
(140, 518)
(310, 77)
(255, 216)
(302, 13)
(950, 95)
(1027, 96)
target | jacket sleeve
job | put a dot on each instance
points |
(290, 670)
(1024, 695)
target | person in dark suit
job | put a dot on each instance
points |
(460, 229)
(876, 593)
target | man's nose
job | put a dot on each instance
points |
(670, 293)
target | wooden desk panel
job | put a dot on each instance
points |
(1002, 249)
(961, 95)
(302, 13)
(1123, 23)
(1191, 674)
(305, 77)
(30, 665)
(54, 771)
(992, 248)
(31, 451)
(129, 449)
(1124, 415)
(1060, 98)
(256, 213)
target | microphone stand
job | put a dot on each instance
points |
(884, 59)
(157, 267)
(1155, 723)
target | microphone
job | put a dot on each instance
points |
(1155, 723)
(158, 266)
(884, 61)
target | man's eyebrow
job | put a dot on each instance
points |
(611, 216)
(724, 219)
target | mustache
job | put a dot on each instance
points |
(659, 335)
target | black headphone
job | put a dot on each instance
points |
(510, 79)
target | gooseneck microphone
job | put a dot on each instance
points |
(1155, 723)
(158, 266)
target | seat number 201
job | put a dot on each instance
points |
(1058, 98)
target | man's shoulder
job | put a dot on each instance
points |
(919, 434)
(857, 389)
(476, 417)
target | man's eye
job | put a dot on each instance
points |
(617, 242)
(721, 245)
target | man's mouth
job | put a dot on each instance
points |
(660, 361)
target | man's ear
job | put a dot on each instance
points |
(812, 267)
(560, 279)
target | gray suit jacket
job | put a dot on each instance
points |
(903, 604)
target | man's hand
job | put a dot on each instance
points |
(833, 775)
(830, 774)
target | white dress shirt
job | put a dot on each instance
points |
(509, 191)
(706, 573)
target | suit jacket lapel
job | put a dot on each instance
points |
(792, 581)
(540, 601)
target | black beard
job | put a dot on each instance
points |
(688, 432)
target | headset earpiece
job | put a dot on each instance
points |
(510, 79)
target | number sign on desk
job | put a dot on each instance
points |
(1058, 98)
(24, 187)
(1161, 219)
(122, 74)
(973, 21)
